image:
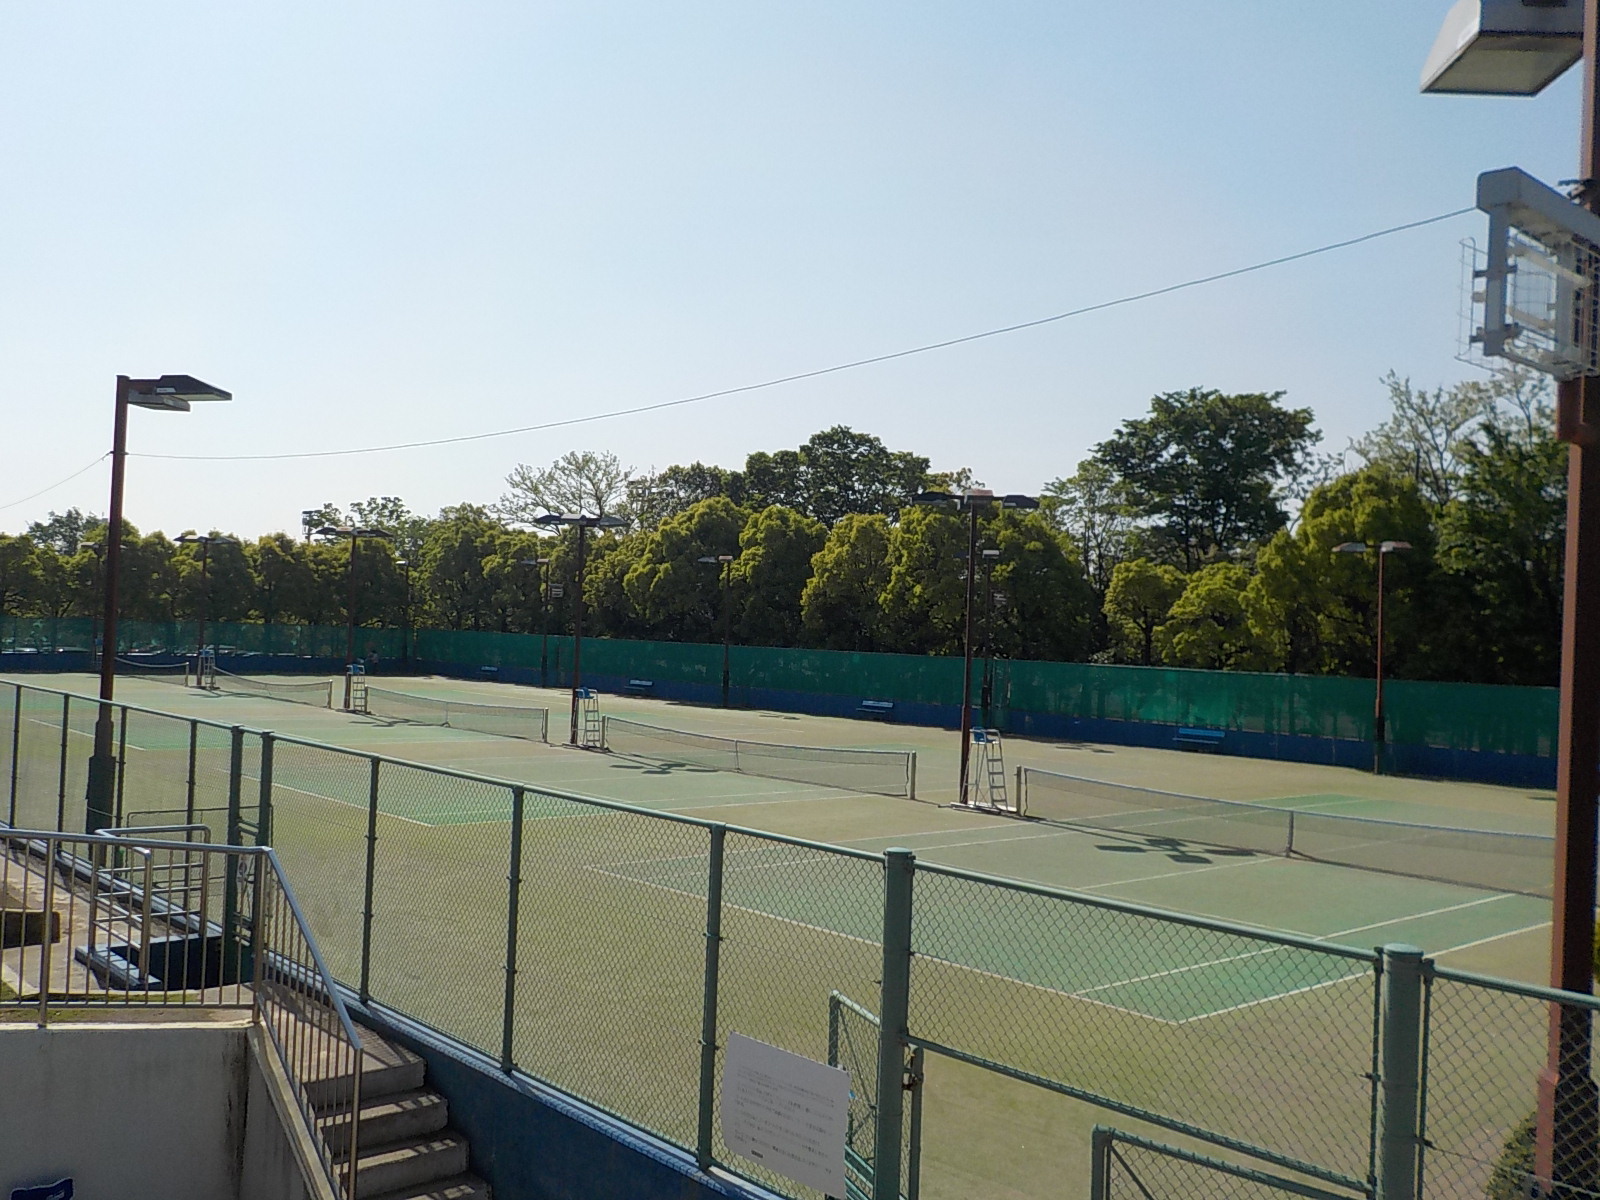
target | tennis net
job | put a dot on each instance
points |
(501, 720)
(1482, 858)
(884, 772)
(177, 672)
(318, 692)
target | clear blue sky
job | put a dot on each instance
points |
(380, 222)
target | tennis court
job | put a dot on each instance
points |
(1161, 1013)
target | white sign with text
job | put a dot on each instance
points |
(786, 1112)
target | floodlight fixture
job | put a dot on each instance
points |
(715, 558)
(171, 393)
(1504, 47)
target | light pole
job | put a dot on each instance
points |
(990, 559)
(544, 614)
(355, 533)
(405, 622)
(972, 502)
(205, 542)
(169, 393)
(1496, 48)
(724, 563)
(1380, 734)
(584, 522)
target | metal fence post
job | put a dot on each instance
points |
(1400, 1072)
(264, 799)
(1100, 1163)
(194, 750)
(708, 1009)
(513, 907)
(894, 1020)
(372, 870)
(61, 782)
(230, 894)
(16, 747)
(122, 762)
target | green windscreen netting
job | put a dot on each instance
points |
(1457, 716)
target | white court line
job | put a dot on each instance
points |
(55, 727)
(1494, 938)
(289, 787)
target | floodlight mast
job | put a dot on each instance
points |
(355, 533)
(544, 613)
(169, 393)
(205, 542)
(972, 502)
(584, 522)
(724, 564)
(1567, 1139)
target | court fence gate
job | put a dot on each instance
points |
(608, 951)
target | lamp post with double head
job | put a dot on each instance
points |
(1379, 729)
(973, 502)
(724, 563)
(354, 533)
(583, 522)
(168, 393)
(205, 542)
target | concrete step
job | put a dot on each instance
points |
(390, 1118)
(459, 1187)
(386, 1070)
(409, 1163)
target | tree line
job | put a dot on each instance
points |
(1201, 534)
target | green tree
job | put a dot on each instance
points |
(835, 473)
(285, 584)
(841, 606)
(230, 587)
(1207, 626)
(1043, 603)
(657, 495)
(924, 598)
(1097, 509)
(62, 532)
(677, 596)
(1138, 598)
(19, 574)
(1501, 537)
(390, 514)
(770, 575)
(1207, 470)
(579, 481)
(453, 590)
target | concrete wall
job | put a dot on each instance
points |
(128, 1110)
(175, 1111)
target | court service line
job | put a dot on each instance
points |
(1494, 938)
(289, 787)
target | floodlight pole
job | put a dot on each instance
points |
(544, 623)
(204, 542)
(405, 624)
(966, 646)
(725, 564)
(102, 763)
(987, 693)
(1567, 1139)
(577, 637)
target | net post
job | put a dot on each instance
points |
(365, 987)
(1288, 848)
(1020, 802)
(508, 1014)
(16, 746)
(264, 798)
(708, 1006)
(1399, 1071)
(899, 866)
(911, 776)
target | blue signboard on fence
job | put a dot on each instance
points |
(49, 1191)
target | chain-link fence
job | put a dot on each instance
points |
(610, 951)
(1130, 1167)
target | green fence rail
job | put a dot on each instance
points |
(1452, 716)
(609, 951)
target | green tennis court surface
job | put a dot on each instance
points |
(1331, 903)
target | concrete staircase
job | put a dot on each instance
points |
(405, 1149)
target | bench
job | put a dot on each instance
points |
(640, 687)
(1200, 739)
(883, 710)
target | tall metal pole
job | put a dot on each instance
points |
(966, 645)
(102, 763)
(1565, 1148)
(405, 629)
(1378, 733)
(727, 611)
(577, 637)
(987, 692)
(205, 603)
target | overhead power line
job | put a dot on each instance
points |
(57, 483)
(836, 368)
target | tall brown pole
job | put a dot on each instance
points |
(966, 644)
(1379, 734)
(205, 603)
(102, 764)
(727, 614)
(1565, 1149)
(350, 622)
